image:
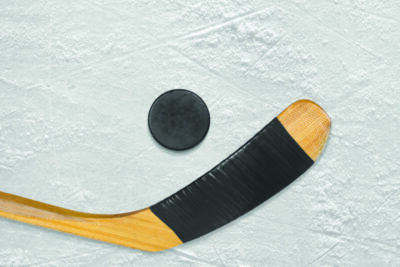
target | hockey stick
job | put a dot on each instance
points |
(271, 160)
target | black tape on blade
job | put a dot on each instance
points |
(262, 167)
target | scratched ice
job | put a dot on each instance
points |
(77, 79)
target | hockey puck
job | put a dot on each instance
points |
(179, 119)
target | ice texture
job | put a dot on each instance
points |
(77, 79)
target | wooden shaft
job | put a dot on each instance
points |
(140, 230)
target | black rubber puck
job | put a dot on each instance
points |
(179, 119)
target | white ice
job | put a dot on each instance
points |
(77, 79)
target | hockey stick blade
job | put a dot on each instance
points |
(267, 163)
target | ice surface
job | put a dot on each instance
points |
(77, 79)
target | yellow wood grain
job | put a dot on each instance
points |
(140, 230)
(308, 124)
